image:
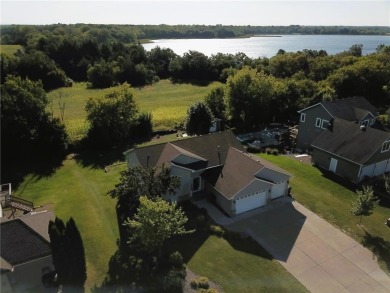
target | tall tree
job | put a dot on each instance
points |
(112, 117)
(27, 129)
(156, 221)
(135, 182)
(364, 203)
(199, 118)
(215, 101)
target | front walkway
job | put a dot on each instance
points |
(320, 256)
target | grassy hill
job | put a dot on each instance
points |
(167, 101)
(9, 50)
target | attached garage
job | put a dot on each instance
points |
(250, 202)
(279, 189)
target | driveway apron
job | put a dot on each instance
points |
(320, 256)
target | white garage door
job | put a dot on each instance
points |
(278, 190)
(251, 202)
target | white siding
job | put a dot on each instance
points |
(251, 202)
(279, 190)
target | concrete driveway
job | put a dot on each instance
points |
(321, 257)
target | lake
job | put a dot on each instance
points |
(268, 46)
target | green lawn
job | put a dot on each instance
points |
(80, 192)
(9, 50)
(246, 268)
(332, 202)
(167, 101)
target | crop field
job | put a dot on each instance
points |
(167, 101)
(9, 50)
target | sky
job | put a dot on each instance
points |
(211, 12)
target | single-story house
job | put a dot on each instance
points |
(352, 151)
(25, 253)
(219, 165)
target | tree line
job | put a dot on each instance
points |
(23, 34)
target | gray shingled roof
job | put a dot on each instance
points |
(349, 141)
(350, 109)
(20, 243)
(211, 147)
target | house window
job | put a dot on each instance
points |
(303, 117)
(196, 184)
(386, 146)
(318, 122)
(324, 124)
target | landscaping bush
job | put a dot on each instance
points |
(217, 230)
(201, 221)
(173, 281)
(194, 284)
(203, 283)
(268, 151)
(176, 259)
(275, 152)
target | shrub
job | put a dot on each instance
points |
(176, 259)
(275, 152)
(268, 151)
(173, 281)
(217, 230)
(203, 282)
(201, 221)
(194, 284)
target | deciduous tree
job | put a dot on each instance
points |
(199, 118)
(156, 220)
(364, 203)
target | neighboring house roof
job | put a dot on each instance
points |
(348, 140)
(21, 244)
(241, 169)
(211, 149)
(350, 109)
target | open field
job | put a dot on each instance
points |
(167, 101)
(9, 50)
(332, 202)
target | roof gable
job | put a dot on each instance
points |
(350, 109)
(241, 169)
(348, 140)
(210, 148)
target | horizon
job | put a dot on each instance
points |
(199, 12)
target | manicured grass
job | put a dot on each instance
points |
(9, 50)
(246, 268)
(80, 192)
(167, 101)
(332, 202)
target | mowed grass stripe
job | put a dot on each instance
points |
(80, 192)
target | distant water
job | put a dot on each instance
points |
(255, 47)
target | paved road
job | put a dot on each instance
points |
(321, 257)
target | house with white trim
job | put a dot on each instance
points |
(218, 165)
